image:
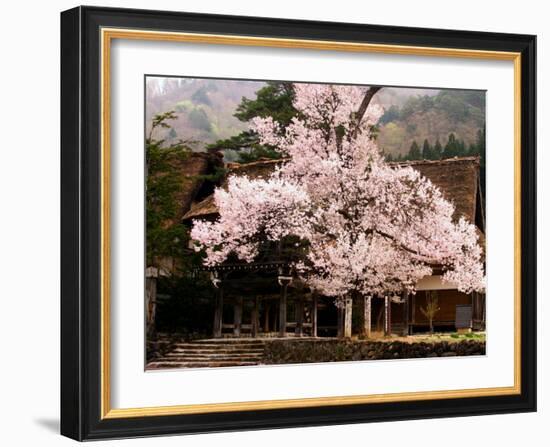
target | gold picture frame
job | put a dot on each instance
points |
(109, 26)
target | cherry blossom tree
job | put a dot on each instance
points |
(369, 228)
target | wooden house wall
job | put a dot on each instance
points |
(447, 301)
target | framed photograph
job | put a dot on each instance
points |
(274, 223)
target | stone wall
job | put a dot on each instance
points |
(314, 351)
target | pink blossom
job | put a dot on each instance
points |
(370, 228)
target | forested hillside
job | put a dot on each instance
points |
(432, 118)
(215, 113)
(204, 108)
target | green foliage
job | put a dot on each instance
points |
(218, 175)
(165, 237)
(453, 148)
(427, 150)
(391, 114)
(437, 150)
(457, 104)
(184, 302)
(451, 102)
(275, 100)
(414, 151)
(201, 96)
(427, 117)
(184, 106)
(257, 152)
(394, 134)
(199, 119)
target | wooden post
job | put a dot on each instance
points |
(238, 315)
(266, 316)
(483, 299)
(314, 316)
(340, 322)
(347, 317)
(389, 316)
(367, 316)
(255, 320)
(300, 316)
(473, 302)
(282, 309)
(413, 312)
(406, 313)
(386, 316)
(150, 304)
(218, 313)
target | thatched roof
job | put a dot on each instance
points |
(192, 169)
(206, 208)
(456, 177)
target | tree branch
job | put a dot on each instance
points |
(363, 108)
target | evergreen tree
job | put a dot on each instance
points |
(275, 99)
(167, 239)
(437, 150)
(427, 151)
(480, 141)
(451, 148)
(163, 183)
(414, 152)
(461, 148)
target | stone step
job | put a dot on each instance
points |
(212, 353)
(205, 353)
(213, 346)
(175, 364)
(206, 362)
(229, 341)
(215, 354)
(218, 351)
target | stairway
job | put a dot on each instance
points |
(212, 353)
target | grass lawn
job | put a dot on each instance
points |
(442, 336)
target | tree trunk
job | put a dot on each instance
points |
(347, 317)
(367, 317)
(363, 108)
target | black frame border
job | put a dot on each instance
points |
(81, 223)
